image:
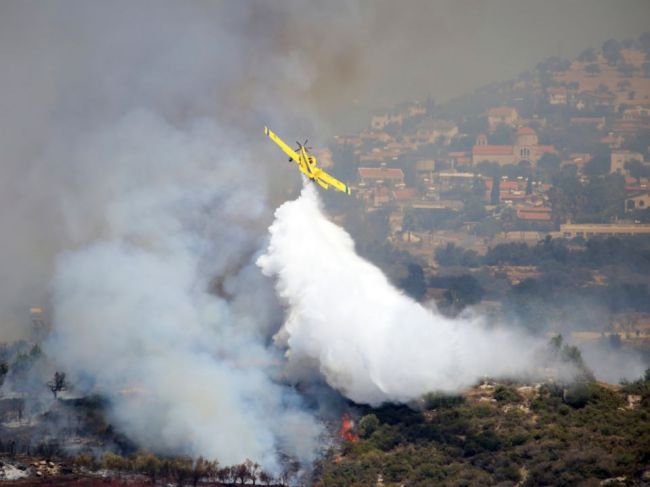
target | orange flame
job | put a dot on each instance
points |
(346, 429)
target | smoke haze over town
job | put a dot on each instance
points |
(173, 286)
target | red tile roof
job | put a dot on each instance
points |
(503, 185)
(492, 150)
(508, 185)
(496, 111)
(405, 194)
(538, 213)
(526, 131)
(381, 173)
(636, 188)
(510, 196)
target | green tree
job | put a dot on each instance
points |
(599, 165)
(626, 69)
(479, 188)
(637, 169)
(474, 209)
(368, 424)
(612, 51)
(502, 135)
(489, 168)
(463, 291)
(637, 142)
(603, 199)
(566, 194)
(414, 284)
(508, 219)
(495, 192)
(644, 41)
(549, 165)
(646, 69)
(553, 64)
(592, 69)
(506, 394)
(4, 369)
(452, 255)
(587, 56)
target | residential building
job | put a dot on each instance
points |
(579, 159)
(638, 202)
(597, 122)
(353, 140)
(557, 95)
(380, 120)
(375, 136)
(502, 115)
(404, 196)
(430, 130)
(425, 169)
(619, 157)
(588, 230)
(526, 149)
(613, 140)
(379, 155)
(380, 176)
(534, 213)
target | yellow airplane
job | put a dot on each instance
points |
(307, 164)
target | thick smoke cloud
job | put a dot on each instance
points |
(78, 69)
(186, 370)
(134, 201)
(371, 342)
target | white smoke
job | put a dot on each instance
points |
(370, 341)
(186, 370)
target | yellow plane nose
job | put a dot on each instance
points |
(266, 130)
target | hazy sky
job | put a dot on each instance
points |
(447, 48)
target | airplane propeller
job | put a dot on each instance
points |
(303, 145)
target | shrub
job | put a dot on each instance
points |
(506, 394)
(436, 400)
(367, 425)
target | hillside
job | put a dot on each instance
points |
(504, 434)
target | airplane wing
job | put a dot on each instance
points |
(287, 150)
(328, 180)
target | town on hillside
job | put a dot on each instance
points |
(502, 164)
(552, 165)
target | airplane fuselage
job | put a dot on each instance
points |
(307, 163)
